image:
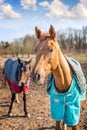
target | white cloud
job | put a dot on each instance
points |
(79, 11)
(1, 1)
(84, 2)
(58, 9)
(26, 4)
(44, 3)
(7, 11)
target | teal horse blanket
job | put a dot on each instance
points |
(66, 106)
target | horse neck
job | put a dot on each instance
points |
(62, 74)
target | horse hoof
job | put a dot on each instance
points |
(9, 114)
(17, 101)
(27, 115)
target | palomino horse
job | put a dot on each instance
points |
(17, 75)
(49, 58)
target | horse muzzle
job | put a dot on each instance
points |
(35, 77)
(38, 77)
(20, 84)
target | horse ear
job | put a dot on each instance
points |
(38, 32)
(29, 61)
(52, 32)
(19, 61)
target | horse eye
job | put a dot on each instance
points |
(50, 50)
(22, 69)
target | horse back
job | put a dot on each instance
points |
(10, 69)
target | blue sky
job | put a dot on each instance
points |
(19, 17)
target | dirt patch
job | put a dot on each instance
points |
(38, 107)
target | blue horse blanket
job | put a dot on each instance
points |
(10, 69)
(66, 106)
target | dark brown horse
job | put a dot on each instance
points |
(49, 58)
(17, 75)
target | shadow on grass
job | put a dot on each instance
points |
(17, 116)
(47, 128)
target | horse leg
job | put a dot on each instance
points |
(16, 98)
(58, 125)
(25, 109)
(10, 108)
(64, 126)
(76, 127)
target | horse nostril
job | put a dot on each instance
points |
(20, 84)
(37, 76)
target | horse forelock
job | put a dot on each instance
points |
(44, 37)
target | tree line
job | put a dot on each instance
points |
(70, 40)
(73, 40)
(19, 46)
